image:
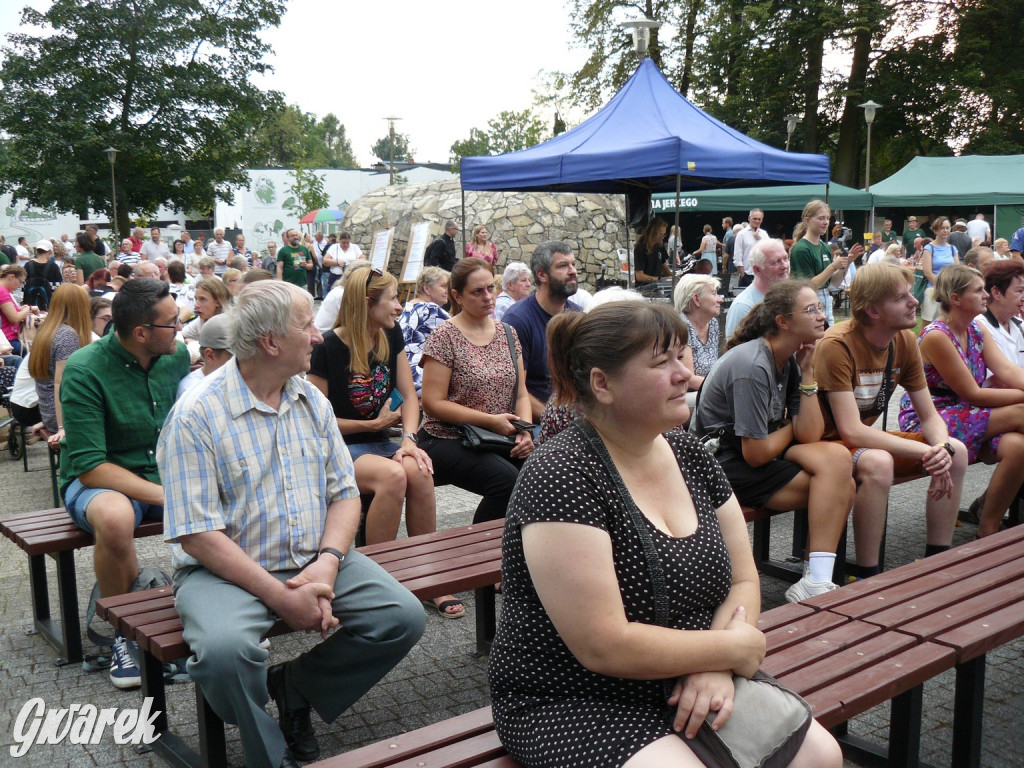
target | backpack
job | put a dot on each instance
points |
(37, 289)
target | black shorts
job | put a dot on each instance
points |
(754, 486)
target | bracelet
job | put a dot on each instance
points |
(808, 389)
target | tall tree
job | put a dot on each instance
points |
(287, 137)
(510, 131)
(382, 148)
(166, 82)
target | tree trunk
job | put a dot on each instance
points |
(812, 85)
(688, 41)
(847, 167)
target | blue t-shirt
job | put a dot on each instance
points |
(530, 320)
(942, 256)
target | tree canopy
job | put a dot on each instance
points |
(510, 131)
(382, 148)
(287, 137)
(939, 70)
(168, 83)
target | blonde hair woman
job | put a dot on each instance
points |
(811, 257)
(481, 247)
(360, 368)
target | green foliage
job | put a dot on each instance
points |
(166, 82)
(307, 193)
(508, 132)
(382, 148)
(287, 137)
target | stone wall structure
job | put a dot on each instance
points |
(517, 221)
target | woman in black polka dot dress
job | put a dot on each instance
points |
(581, 674)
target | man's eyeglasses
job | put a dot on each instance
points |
(817, 309)
(369, 277)
(160, 325)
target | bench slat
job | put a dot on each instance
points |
(798, 630)
(823, 645)
(981, 635)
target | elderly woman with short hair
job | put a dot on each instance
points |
(516, 284)
(422, 314)
(698, 301)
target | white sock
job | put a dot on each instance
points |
(821, 566)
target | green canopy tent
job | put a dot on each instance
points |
(974, 181)
(785, 198)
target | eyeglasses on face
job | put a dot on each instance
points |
(160, 325)
(817, 309)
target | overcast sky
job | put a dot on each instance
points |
(444, 68)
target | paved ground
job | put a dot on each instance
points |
(440, 678)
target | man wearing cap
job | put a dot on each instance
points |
(214, 348)
(910, 234)
(959, 237)
(42, 276)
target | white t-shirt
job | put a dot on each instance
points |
(152, 251)
(1011, 343)
(979, 228)
(328, 312)
(343, 257)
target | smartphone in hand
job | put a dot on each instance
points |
(395, 400)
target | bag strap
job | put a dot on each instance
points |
(654, 566)
(515, 363)
(885, 391)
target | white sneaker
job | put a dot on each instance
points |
(124, 671)
(806, 588)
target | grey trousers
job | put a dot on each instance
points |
(380, 622)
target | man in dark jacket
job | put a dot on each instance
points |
(441, 252)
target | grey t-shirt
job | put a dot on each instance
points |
(746, 394)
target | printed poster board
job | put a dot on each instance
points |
(380, 255)
(419, 238)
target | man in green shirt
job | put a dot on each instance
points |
(86, 262)
(911, 233)
(294, 260)
(114, 396)
(888, 236)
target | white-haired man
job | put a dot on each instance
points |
(770, 263)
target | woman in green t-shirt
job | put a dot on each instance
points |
(811, 257)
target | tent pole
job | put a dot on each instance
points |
(463, 190)
(629, 251)
(679, 189)
(827, 185)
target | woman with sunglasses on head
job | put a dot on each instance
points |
(761, 397)
(469, 377)
(362, 369)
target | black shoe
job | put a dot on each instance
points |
(295, 723)
(288, 761)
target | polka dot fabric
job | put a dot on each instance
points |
(549, 710)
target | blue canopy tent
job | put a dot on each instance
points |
(647, 139)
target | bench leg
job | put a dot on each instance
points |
(904, 746)
(967, 713)
(64, 635)
(169, 746)
(778, 569)
(486, 619)
(212, 748)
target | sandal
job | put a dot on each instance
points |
(444, 605)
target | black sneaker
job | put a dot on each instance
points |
(124, 670)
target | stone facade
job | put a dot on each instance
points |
(518, 221)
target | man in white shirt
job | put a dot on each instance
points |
(220, 251)
(22, 249)
(339, 255)
(127, 255)
(154, 247)
(979, 228)
(744, 243)
(186, 239)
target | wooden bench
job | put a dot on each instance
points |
(430, 566)
(51, 533)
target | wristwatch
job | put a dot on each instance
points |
(332, 551)
(411, 436)
(949, 449)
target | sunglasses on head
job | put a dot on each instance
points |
(369, 277)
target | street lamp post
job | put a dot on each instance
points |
(869, 108)
(641, 31)
(112, 156)
(391, 145)
(791, 123)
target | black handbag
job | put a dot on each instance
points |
(484, 440)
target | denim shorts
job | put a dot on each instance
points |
(383, 448)
(77, 499)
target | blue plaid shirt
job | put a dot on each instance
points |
(265, 478)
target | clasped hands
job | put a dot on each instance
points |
(305, 602)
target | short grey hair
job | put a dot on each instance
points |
(543, 254)
(513, 271)
(263, 308)
(688, 287)
(431, 276)
(757, 253)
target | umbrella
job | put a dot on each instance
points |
(322, 216)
